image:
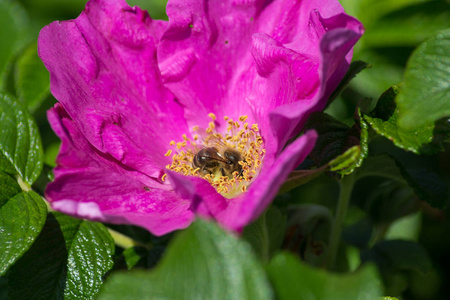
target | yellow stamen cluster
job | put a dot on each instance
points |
(240, 137)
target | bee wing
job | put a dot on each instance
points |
(215, 140)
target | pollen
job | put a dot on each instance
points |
(212, 116)
(229, 156)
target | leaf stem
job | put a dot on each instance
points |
(23, 185)
(346, 185)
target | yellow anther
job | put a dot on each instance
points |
(168, 153)
(163, 178)
(243, 118)
(239, 136)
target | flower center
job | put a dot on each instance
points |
(229, 161)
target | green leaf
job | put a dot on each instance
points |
(383, 119)
(403, 255)
(8, 187)
(74, 256)
(32, 78)
(13, 22)
(266, 233)
(21, 220)
(292, 279)
(353, 70)
(406, 228)
(308, 232)
(20, 142)
(133, 255)
(380, 76)
(202, 262)
(426, 185)
(300, 177)
(395, 259)
(425, 96)
(346, 161)
(139, 256)
(341, 147)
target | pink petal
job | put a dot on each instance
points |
(235, 213)
(242, 210)
(104, 72)
(89, 184)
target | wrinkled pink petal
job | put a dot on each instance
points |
(109, 83)
(89, 185)
(127, 85)
(245, 58)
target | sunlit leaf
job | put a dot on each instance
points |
(293, 279)
(203, 262)
(20, 142)
(425, 96)
(74, 256)
(21, 220)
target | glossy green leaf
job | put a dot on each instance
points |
(21, 220)
(293, 279)
(384, 121)
(74, 257)
(20, 142)
(202, 262)
(266, 233)
(425, 96)
(32, 78)
(8, 188)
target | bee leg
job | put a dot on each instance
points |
(222, 171)
(240, 171)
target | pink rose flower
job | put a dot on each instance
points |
(162, 121)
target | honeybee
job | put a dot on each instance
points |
(212, 161)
